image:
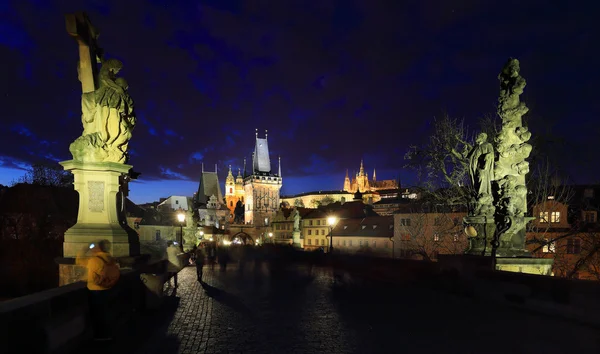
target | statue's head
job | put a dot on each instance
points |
(113, 65)
(481, 138)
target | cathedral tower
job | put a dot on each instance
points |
(262, 186)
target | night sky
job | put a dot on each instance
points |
(332, 81)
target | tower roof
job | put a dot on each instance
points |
(209, 185)
(229, 179)
(261, 160)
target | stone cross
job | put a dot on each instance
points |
(80, 28)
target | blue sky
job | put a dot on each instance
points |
(333, 81)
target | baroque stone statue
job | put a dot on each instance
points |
(107, 108)
(481, 171)
(296, 220)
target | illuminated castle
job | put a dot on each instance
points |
(362, 183)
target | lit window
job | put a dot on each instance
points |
(455, 238)
(230, 190)
(436, 237)
(555, 217)
(405, 222)
(310, 232)
(574, 246)
(590, 217)
(231, 203)
(549, 247)
(543, 216)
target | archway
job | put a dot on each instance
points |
(241, 238)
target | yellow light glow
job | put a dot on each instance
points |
(181, 217)
(331, 220)
(226, 243)
(270, 234)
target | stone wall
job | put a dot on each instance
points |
(58, 320)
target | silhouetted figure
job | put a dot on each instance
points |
(211, 255)
(199, 253)
(223, 256)
(103, 273)
(174, 261)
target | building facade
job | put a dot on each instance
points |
(423, 233)
(234, 191)
(260, 187)
(372, 235)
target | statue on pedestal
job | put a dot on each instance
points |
(296, 220)
(481, 170)
(107, 108)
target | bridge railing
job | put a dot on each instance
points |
(58, 320)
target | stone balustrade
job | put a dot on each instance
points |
(58, 320)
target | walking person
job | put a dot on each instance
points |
(174, 261)
(199, 254)
(212, 255)
(103, 273)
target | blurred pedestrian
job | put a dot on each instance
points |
(174, 264)
(211, 255)
(103, 273)
(199, 254)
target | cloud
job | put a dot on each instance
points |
(168, 173)
(196, 157)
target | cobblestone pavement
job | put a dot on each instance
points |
(258, 312)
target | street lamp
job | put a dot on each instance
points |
(271, 237)
(181, 218)
(331, 221)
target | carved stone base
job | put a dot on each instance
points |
(99, 217)
(480, 244)
(537, 266)
(468, 265)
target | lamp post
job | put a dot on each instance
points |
(331, 221)
(271, 237)
(201, 236)
(181, 218)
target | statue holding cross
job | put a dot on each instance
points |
(107, 109)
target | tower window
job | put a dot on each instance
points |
(231, 203)
(230, 190)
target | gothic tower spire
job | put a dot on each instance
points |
(362, 169)
(203, 167)
(374, 175)
(244, 167)
(229, 179)
(279, 166)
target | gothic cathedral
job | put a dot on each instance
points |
(257, 192)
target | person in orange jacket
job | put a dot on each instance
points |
(103, 273)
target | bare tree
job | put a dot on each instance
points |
(441, 164)
(46, 175)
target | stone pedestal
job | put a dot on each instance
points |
(480, 243)
(467, 265)
(537, 266)
(296, 240)
(100, 203)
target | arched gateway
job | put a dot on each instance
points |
(241, 238)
